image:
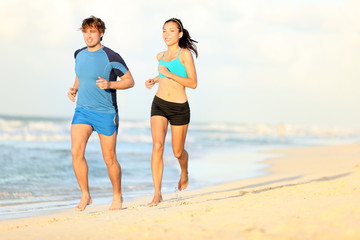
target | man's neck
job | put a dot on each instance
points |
(94, 48)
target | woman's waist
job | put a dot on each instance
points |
(170, 96)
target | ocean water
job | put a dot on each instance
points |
(36, 174)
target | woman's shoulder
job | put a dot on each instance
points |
(185, 54)
(159, 55)
(185, 51)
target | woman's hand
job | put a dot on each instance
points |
(149, 83)
(164, 71)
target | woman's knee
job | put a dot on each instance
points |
(179, 153)
(158, 146)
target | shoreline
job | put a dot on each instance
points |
(309, 193)
(214, 175)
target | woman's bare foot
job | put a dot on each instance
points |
(85, 200)
(184, 179)
(183, 182)
(156, 200)
(116, 203)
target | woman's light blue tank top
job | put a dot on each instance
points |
(175, 66)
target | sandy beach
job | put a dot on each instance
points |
(308, 193)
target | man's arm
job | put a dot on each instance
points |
(73, 91)
(126, 81)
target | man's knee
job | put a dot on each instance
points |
(110, 158)
(77, 153)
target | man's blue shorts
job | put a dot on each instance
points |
(102, 123)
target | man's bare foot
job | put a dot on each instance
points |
(116, 203)
(156, 200)
(183, 182)
(85, 200)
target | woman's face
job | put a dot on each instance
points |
(171, 33)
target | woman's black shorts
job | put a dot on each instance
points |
(176, 113)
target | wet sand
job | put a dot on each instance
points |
(309, 193)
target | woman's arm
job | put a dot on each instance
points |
(151, 82)
(187, 59)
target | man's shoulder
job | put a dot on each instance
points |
(109, 51)
(78, 51)
(112, 55)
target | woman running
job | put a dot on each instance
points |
(170, 105)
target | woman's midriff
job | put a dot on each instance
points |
(171, 91)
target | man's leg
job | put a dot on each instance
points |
(108, 147)
(80, 134)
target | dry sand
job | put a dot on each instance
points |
(309, 193)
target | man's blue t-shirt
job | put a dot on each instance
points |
(89, 66)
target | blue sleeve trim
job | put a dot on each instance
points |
(77, 51)
(117, 62)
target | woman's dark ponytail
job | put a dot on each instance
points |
(185, 41)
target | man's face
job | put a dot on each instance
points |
(92, 37)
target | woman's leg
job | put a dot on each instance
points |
(80, 134)
(178, 134)
(159, 127)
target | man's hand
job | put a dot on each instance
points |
(102, 83)
(72, 94)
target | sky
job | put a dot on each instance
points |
(260, 61)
